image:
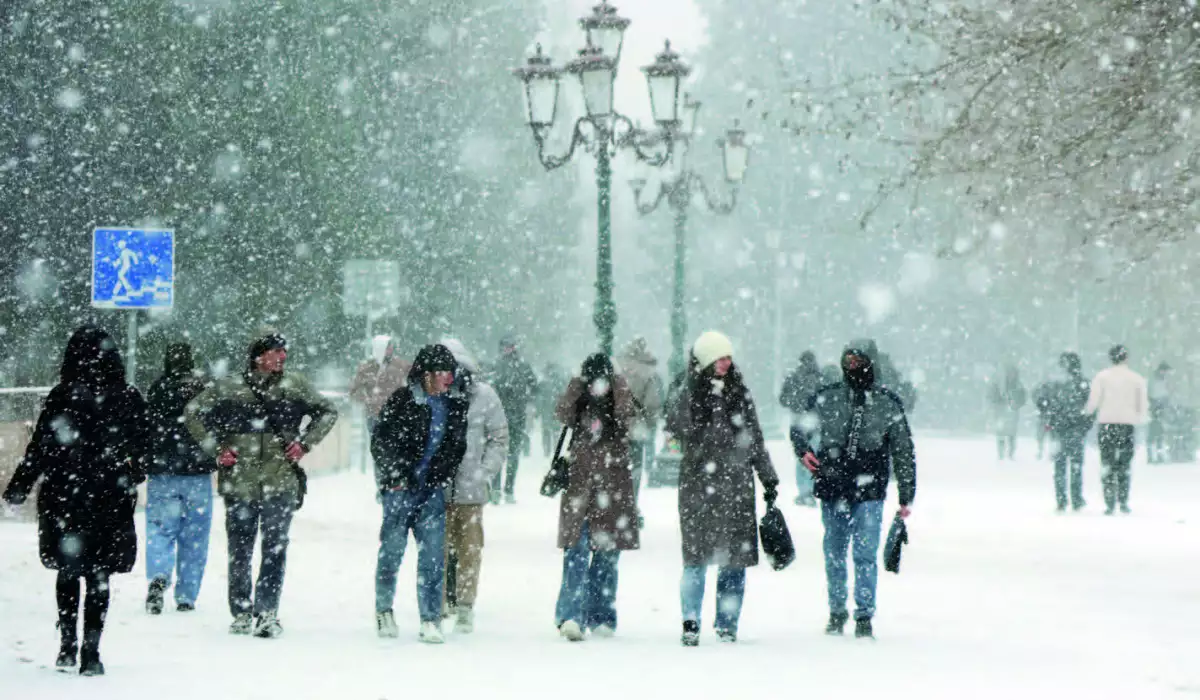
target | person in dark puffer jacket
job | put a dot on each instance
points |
(179, 498)
(858, 434)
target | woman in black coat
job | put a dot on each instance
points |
(88, 450)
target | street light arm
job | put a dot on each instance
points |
(715, 204)
(645, 209)
(550, 161)
(627, 137)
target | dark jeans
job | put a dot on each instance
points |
(1116, 456)
(516, 442)
(243, 520)
(1069, 458)
(95, 608)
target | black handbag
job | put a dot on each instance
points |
(559, 477)
(896, 539)
(776, 539)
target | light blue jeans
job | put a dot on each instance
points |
(731, 590)
(178, 523)
(864, 523)
(424, 513)
(588, 594)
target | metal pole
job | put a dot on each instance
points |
(678, 362)
(131, 352)
(606, 308)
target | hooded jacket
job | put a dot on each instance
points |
(801, 384)
(230, 415)
(640, 369)
(487, 432)
(379, 377)
(883, 443)
(173, 450)
(399, 440)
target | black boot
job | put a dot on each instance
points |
(89, 655)
(154, 597)
(68, 650)
(863, 629)
(691, 633)
(837, 624)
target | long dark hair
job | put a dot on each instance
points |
(699, 387)
(598, 367)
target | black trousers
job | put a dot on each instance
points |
(516, 443)
(1116, 456)
(95, 608)
(243, 520)
(1069, 459)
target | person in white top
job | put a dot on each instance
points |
(1121, 401)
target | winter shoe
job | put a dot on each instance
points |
(465, 624)
(154, 596)
(242, 624)
(604, 632)
(510, 499)
(495, 498)
(1125, 509)
(385, 625)
(837, 624)
(1109, 510)
(691, 634)
(727, 636)
(67, 655)
(185, 607)
(431, 633)
(267, 626)
(571, 631)
(863, 629)
(89, 655)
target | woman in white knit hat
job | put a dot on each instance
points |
(715, 419)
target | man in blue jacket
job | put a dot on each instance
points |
(857, 435)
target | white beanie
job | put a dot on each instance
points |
(710, 347)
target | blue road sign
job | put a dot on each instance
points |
(133, 269)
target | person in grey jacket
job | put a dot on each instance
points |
(487, 450)
(640, 368)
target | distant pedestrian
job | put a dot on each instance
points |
(179, 498)
(88, 448)
(723, 449)
(517, 385)
(597, 514)
(378, 378)
(639, 367)
(1069, 427)
(487, 448)
(800, 386)
(1157, 451)
(859, 438)
(1007, 397)
(1119, 397)
(252, 424)
(1042, 398)
(418, 446)
(552, 382)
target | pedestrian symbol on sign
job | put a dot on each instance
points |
(133, 269)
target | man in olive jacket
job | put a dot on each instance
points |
(251, 424)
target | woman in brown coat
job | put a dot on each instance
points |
(598, 517)
(723, 448)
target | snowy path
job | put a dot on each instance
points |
(999, 595)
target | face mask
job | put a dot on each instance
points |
(858, 372)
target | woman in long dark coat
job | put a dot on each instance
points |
(723, 448)
(88, 449)
(598, 516)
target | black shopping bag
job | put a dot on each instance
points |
(776, 539)
(896, 539)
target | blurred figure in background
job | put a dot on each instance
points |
(1069, 428)
(640, 369)
(554, 379)
(517, 385)
(1007, 398)
(799, 387)
(378, 378)
(1160, 404)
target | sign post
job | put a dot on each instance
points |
(133, 269)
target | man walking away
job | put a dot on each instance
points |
(179, 496)
(1007, 399)
(640, 369)
(1069, 428)
(252, 424)
(863, 439)
(516, 384)
(800, 386)
(1121, 401)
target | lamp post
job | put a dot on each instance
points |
(678, 191)
(603, 131)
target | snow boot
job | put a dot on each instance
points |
(510, 499)
(691, 634)
(727, 636)
(863, 629)
(68, 650)
(465, 622)
(89, 655)
(1125, 509)
(242, 624)
(154, 596)
(837, 624)
(185, 607)
(571, 631)
(431, 633)
(385, 625)
(495, 498)
(267, 626)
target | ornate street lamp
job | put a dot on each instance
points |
(679, 191)
(603, 130)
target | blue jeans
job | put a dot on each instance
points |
(589, 586)
(863, 522)
(804, 481)
(423, 512)
(178, 522)
(731, 590)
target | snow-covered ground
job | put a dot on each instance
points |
(999, 597)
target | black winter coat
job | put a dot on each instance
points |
(1064, 410)
(88, 448)
(516, 385)
(860, 472)
(398, 443)
(173, 450)
(799, 387)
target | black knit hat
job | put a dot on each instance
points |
(178, 359)
(1118, 354)
(267, 343)
(432, 358)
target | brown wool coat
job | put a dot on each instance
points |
(723, 448)
(601, 486)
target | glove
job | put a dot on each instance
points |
(14, 499)
(770, 493)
